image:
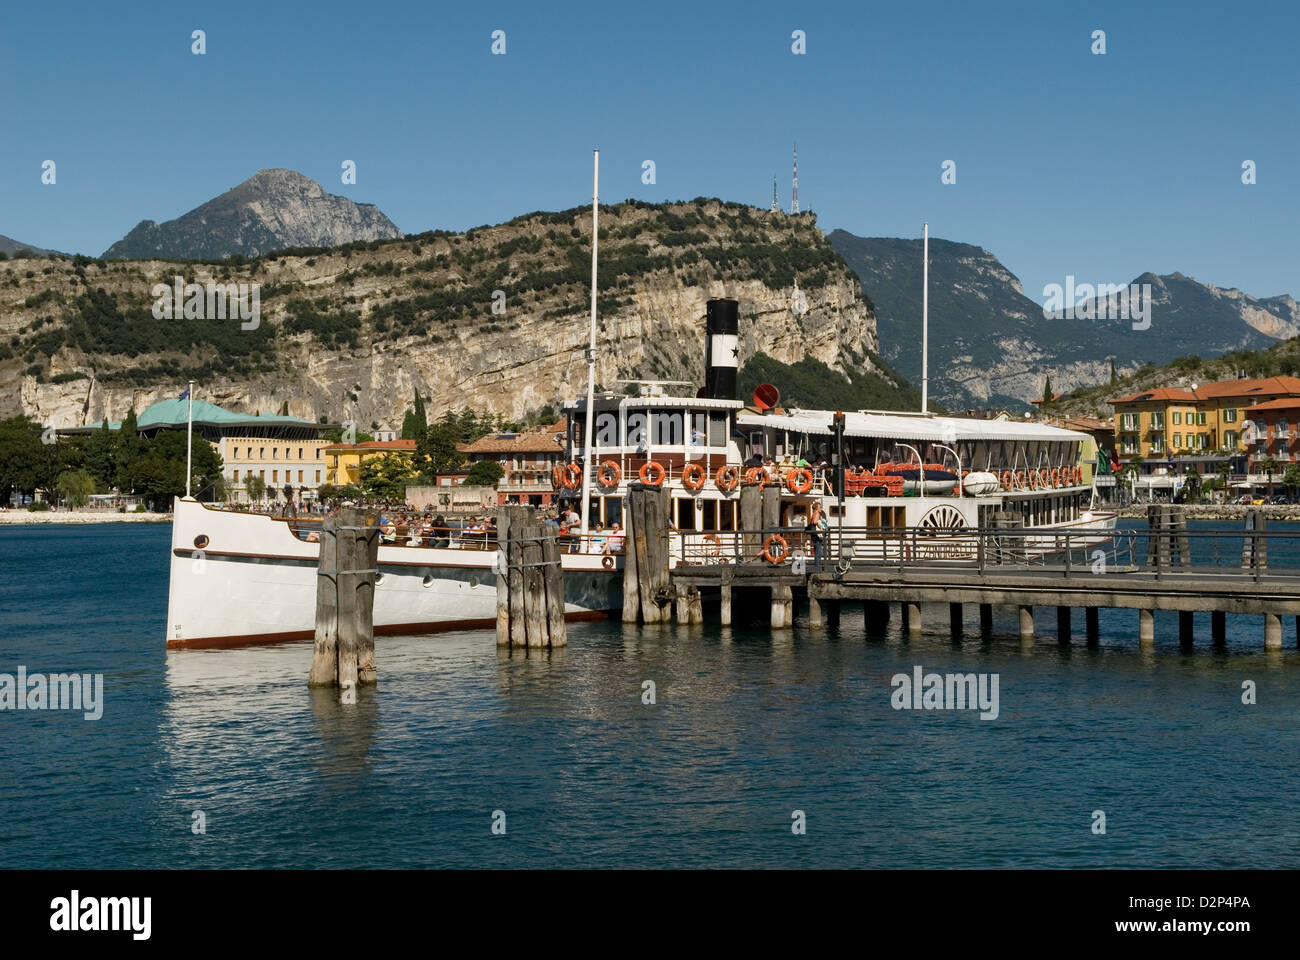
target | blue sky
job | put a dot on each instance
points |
(1067, 163)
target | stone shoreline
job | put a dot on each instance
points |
(1205, 511)
(80, 516)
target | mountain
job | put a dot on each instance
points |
(9, 247)
(991, 345)
(271, 210)
(495, 319)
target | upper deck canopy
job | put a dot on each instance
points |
(890, 426)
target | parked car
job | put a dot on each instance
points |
(1245, 500)
(1279, 499)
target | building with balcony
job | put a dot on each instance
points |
(528, 459)
(1271, 431)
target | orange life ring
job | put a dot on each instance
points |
(603, 475)
(658, 470)
(1006, 479)
(572, 476)
(1078, 475)
(1044, 477)
(1020, 480)
(557, 475)
(799, 480)
(756, 475)
(716, 548)
(693, 476)
(607, 562)
(1056, 476)
(727, 477)
(778, 541)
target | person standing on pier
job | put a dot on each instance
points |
(816, 529)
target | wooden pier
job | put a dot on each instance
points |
(1165, 568)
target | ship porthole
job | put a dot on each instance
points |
(379, 578)
(428, 580)
(201, 541)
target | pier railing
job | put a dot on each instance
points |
(1067, 552)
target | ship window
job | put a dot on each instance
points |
(717, 429)
(726, 515)
(685, 514)
(613, 509)
(709, 515)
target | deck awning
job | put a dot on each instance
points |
(901, 427)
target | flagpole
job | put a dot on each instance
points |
(591, 349)
(189, 440)
(925, 322)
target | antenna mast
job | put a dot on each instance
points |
(794, 191)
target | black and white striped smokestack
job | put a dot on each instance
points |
(721, 349)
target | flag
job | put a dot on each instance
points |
(184, 394)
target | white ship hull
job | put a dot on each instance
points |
(254, 581)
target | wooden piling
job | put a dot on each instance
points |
(771, 506)
(504, 517)
(631, 583)
(751, 518)
(325, 663)
(367, 558)
(557, 633)
(724, 591)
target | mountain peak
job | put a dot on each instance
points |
(272, 209)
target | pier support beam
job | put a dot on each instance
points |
(1090, 618)
(1026, 624)
(1272, 631)
(1062, 624)
(782, 607)
(1146, 628)
(1218, 627)
(814, 611)
(912, 619)
(954, 620)
(876, 614)
(1186, 627)
(724, 592)
(986, 620)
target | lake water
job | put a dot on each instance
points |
(747, 729)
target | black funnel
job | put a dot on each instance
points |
(721, 349)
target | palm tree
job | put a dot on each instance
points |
(1225, 474)
(1291, 480)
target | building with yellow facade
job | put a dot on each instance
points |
(343, 460)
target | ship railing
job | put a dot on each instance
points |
(1067, 552)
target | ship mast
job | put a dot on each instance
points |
(925, 322)
(591, 348)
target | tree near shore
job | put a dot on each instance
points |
(256, 487)
(75, 487)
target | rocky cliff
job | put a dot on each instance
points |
(495, 319)
(271, 210)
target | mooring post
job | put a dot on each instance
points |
(1218, 627)
(814, 610)
(1090, 625)
(349, 575)
(955, 620)
(986, 620)
(503, 584)
(368, 560)
(1186, 627)
(325, 660)
(724, 597)
(1146, 628)
(1062, 624)
(553, 575)
(633, 522)
(1026, 623)
(1272, 631)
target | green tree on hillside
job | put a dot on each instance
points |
(20, 455)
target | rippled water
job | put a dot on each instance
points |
(747, 729)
